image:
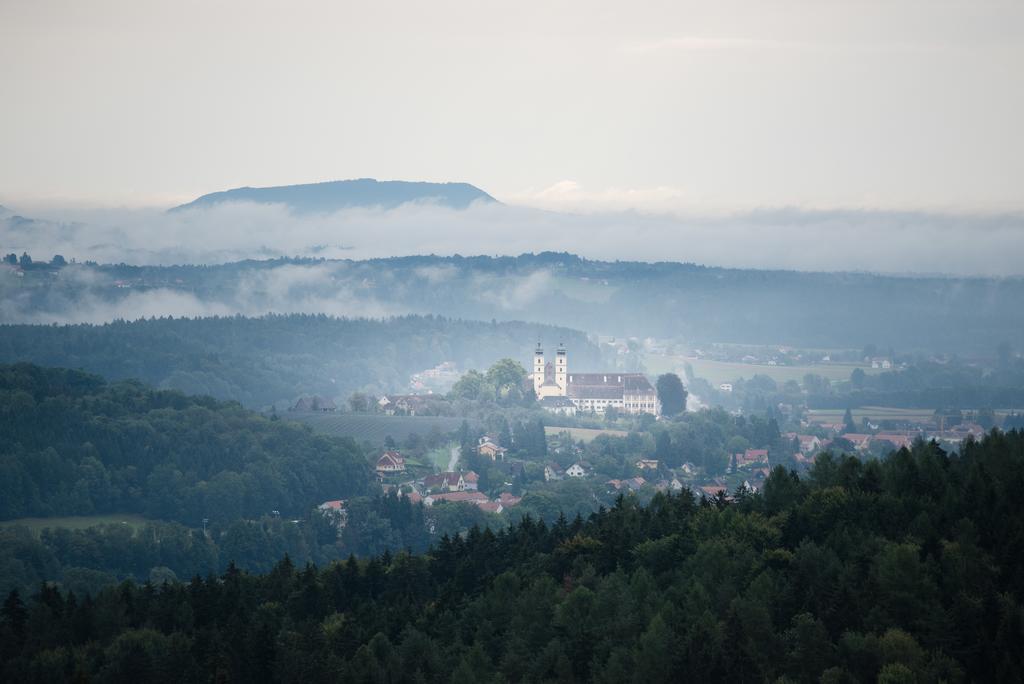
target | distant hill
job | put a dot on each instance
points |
(335, 195)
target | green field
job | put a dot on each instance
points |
(78, 522)
(374, 429)
(584, 434)
(717, 372)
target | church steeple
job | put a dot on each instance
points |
(561, 369)
(538, 369)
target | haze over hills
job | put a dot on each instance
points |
(346, 194)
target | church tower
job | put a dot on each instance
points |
(561, 369)
(538, 369)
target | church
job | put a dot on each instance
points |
(590, 392)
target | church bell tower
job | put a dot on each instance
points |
(538, 369)
(561, 369)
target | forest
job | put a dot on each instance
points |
(72, 444)
(897, 570)
(275, 359)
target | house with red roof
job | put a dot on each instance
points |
(391, 462)
(859, 441)
(452, 482)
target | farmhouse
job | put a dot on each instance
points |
(751, 456)
(859, 441)
(576, 470)
(491, 449)
(452, 482)
(591, 392)
(391, 462)
(553, 472)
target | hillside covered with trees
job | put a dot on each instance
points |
(72, 444)
(699, 303)
(275, 359)
(896, 570)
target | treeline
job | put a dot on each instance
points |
(71, 444)
(810, 310)
(87, 560)
(907, 569)
(277, 358)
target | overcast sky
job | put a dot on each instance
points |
(662, 105)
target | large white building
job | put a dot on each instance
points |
(590, 392)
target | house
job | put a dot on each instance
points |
(451, 482)
(559, 405)
(630, 485)
(314, 404)
(898, 441)
(647, 464)
(712, 491)
(491, 507)
(491, 449)
(725, 387)
(688, 469)
(335, 511)
(751, 456)
(881, 362)
(576, 470)
(391, 462)
(336, 505)
(552, 472)
(860, 442)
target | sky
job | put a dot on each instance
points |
(712, 107)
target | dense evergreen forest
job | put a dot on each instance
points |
(698, 303)
(72, 444)
(897, 570)
(260, 361)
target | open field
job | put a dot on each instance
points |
(717, 372)
(584, 434)
(374, 429)
(79, 522)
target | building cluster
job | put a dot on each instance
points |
(449, 486)
(561, 391)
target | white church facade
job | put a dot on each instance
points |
(590, 392)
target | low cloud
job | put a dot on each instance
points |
(810, 240)
(83, 295)
(513, 294)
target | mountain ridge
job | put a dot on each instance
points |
(347, 194)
